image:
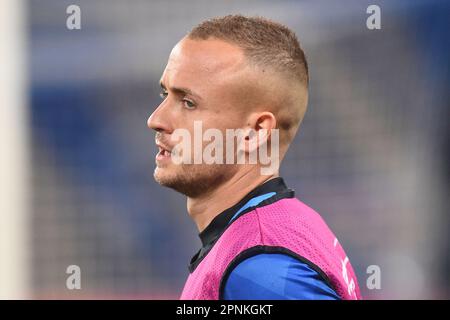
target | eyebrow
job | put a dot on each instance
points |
(181, 90)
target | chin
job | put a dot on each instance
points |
(192, 180)
(181, 182)
(167, 177)
(162, 176)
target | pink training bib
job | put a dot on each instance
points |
(285, 226)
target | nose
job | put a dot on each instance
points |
(158, 119)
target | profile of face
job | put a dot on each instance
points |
(206, 81)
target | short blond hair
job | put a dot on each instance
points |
(264, 42)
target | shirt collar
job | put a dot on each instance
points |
(220, 222)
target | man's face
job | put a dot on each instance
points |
(203, 81)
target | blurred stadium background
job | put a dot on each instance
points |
(77, 159)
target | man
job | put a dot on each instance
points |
(258, 240)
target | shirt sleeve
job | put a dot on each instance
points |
(276, 276)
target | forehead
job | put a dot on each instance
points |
(200, 62)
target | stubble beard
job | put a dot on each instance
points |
(194, 180)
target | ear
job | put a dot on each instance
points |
(259, 130)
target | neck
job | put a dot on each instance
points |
(205, 208)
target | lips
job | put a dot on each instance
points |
(164, 152)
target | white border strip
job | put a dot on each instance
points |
(14, 165)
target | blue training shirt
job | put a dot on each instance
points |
(269, 276)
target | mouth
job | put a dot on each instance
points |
(164, 153)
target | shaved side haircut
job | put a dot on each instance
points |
(272, 48)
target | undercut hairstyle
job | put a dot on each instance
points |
(265, 43)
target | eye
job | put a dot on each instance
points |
(163, 94)
(188, 104)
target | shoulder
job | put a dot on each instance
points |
(275, 276)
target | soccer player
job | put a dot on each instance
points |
(258, 240)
